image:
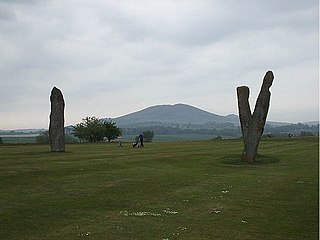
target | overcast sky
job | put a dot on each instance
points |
(110, 58)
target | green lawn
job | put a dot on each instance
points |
(180, 190)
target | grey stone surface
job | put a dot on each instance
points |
(56, 127)
(252, 125)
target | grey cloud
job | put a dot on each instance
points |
(204, 22)
(7, 13)
(22, 2)
(104, 53)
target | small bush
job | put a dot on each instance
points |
(44, 138)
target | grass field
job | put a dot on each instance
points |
(180, 190)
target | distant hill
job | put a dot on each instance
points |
(185, 119)
(173, 114)
(181, 114)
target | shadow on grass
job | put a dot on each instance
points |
(235, 159)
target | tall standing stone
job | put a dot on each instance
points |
(56, 127)
(252, 125)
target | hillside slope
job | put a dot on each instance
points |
(178, 113)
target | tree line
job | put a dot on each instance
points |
(292, 129)
(93, 129)
(167, 130)
(230, 130)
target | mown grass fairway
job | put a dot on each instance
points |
(183, 190)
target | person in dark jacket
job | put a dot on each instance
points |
(141, 139)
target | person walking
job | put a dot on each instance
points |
(141, 139)
(119, 142)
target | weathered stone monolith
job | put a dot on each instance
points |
(252, 125)
(56, 127)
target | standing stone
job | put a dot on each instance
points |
(252, 125)
(56, 127)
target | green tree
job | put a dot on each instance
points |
(70, 138)
(43, 138)
(148, 136)
(306, 134)
(93, 129)
(112, 131)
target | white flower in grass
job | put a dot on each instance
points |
(125, 213)
(84, 234)
(145, 214)
(168, 211)
(140, 214)
(216, 211)
(119, 228)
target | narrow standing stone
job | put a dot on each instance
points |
(56, 127)
(252, 125)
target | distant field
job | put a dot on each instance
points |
(167, 190)
(174, 137)
(128, 138)
(13, 139)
